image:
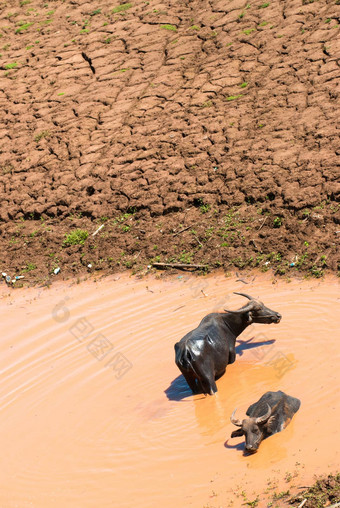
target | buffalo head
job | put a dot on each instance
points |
(257, 311)
(252, 428)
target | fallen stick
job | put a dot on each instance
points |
(179, 265)
(97, 230)
(334, 505)
(264, 220)
(303, 503)
(181, 231)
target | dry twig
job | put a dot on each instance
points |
(182, 266)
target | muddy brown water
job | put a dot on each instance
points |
(94, 412)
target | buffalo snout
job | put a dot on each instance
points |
(250, 448)
(277, 317)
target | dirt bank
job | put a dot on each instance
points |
(325, 492)
(155, 117)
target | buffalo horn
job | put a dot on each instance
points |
(245, 295)
(264, 418)
(247, 308)
(234, 421)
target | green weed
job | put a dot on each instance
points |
(169, 27)
(277, 222)
(11, 65)
(76, 237)
(233, 97)
(23, 27)
(121, 8)
(41, 135)
(204, 208)
(29, 267)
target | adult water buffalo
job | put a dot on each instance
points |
(270, 414)
(204, 353)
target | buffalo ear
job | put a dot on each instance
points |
(250, 318)
(237, 433)
(271, 424)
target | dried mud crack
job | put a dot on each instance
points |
(218, 119)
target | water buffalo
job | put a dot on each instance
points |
(203, 354)
(270, 414)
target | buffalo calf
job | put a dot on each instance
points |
(270, 414)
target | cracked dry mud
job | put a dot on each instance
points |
(217, 117)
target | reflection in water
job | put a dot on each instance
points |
(211, 414)
(74, 434)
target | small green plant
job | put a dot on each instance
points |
(84, 31)
(253, 503)
(41, 135)
(194, 27)
(29, 267)
(244, 84)
(328, 20)
(301, 260)
(207, 104)
(169, 27)
(233, 97)
(97, 11)
(240, 16)
(249, 31)
(121, 8)
(126, 228)
(11, 65)
(24, 2)
(264, 23)
(76, 237)
(263, 6)
(107, 40)
(204, 208)
(23, 27)
(277, 222)
(186, 257)
(280, 495)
